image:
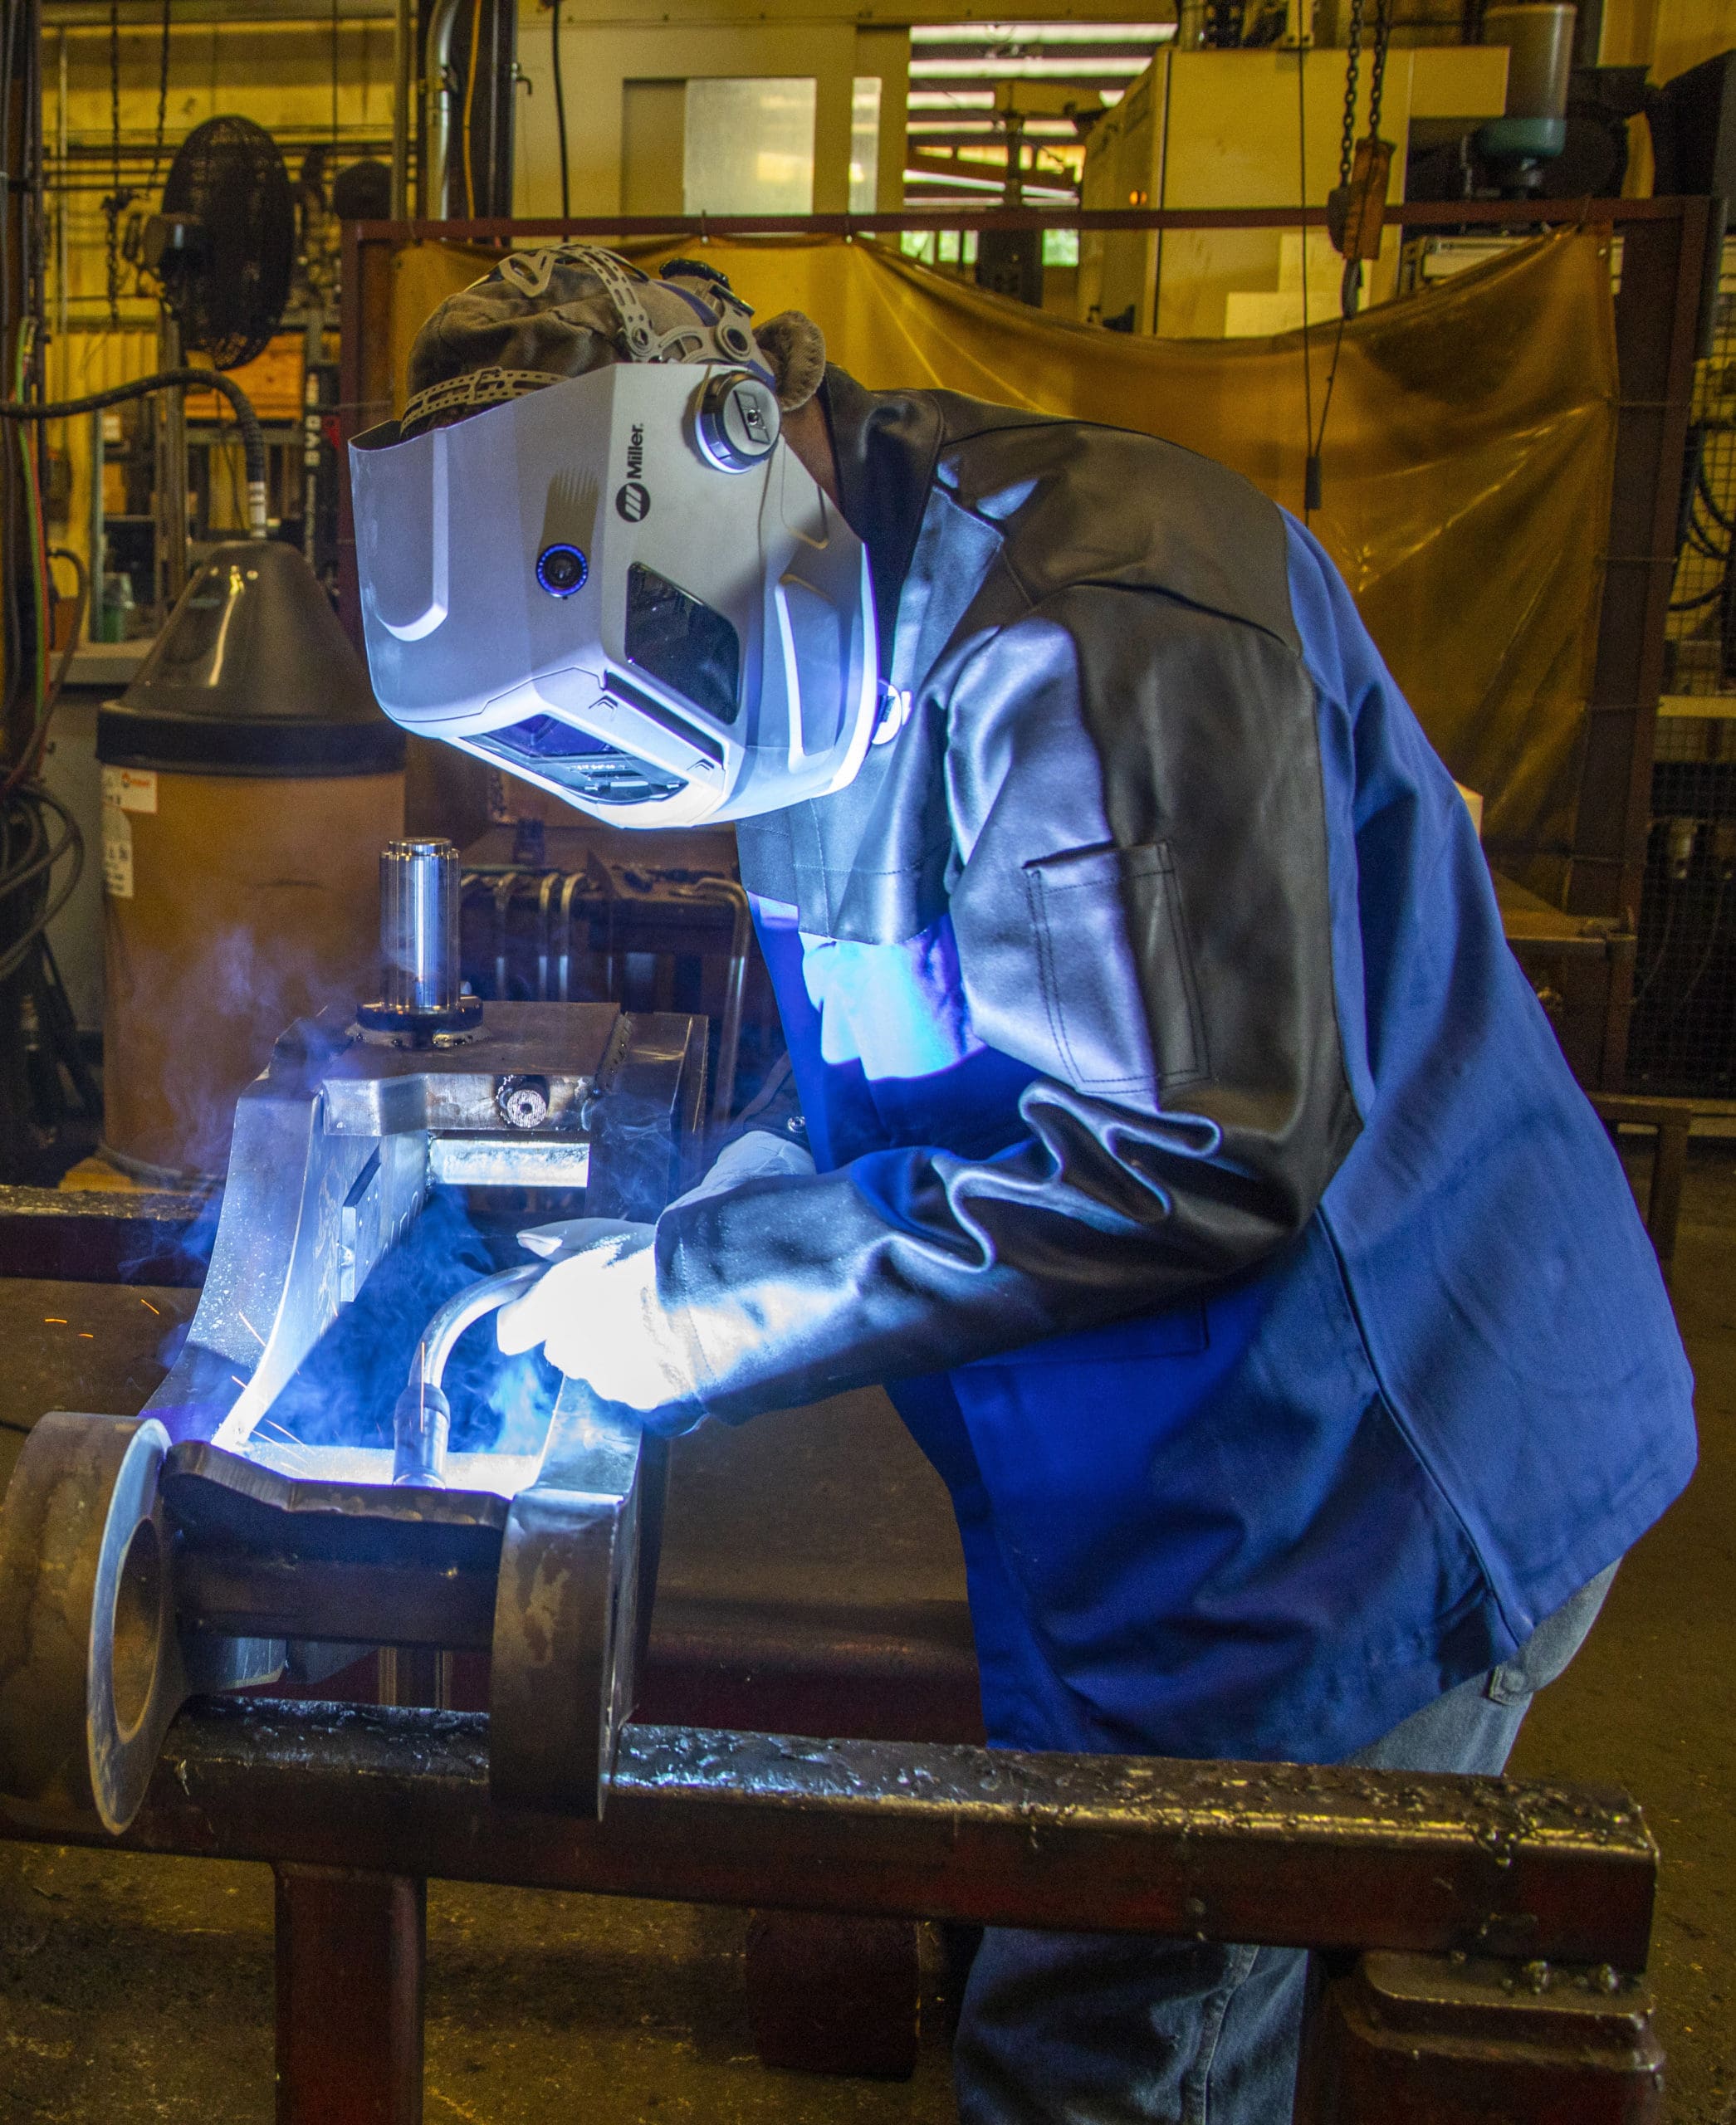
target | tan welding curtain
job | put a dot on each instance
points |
(1468, 455)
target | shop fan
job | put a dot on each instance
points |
(222, 245)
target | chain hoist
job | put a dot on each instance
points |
(1356, 210)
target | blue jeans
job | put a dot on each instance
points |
(1120, 2029)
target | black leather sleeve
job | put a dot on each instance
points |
(1141, 910)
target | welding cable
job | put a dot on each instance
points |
(566, 200)
(1701, 541)
(1703, 487)
(1714, 931)
(81, 597)
(43, 575)
(39, 857)
(252, 435)
(1310, 463)
(1702, 537)
(470, 98)
(36, 537)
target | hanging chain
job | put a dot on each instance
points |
(1353, 60)
(162, 98)
(1377, 65)
(1356, 211)
(118, 200)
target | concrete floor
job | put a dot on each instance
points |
(135, 1989)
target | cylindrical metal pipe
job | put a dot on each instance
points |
(418, 925)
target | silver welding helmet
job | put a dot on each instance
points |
(618, 583)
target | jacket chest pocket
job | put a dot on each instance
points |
(1116, 974)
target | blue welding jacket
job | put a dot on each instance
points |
(1272, 1520)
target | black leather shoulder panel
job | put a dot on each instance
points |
(1078, 502)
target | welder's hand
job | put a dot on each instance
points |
(597, 1316)
(755, 1156)
(573, 1235)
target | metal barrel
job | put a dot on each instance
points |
(418, 925)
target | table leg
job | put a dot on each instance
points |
(1447, 2040)
(350, 1948)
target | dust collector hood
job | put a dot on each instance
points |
(252, 675)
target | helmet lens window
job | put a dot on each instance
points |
(682, 642)
(590, 767)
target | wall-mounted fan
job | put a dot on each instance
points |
(222, 244)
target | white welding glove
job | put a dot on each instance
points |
(573, 1235)
(595, 1313)
(755, 1156)
(595, 1310)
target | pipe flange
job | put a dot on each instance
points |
(420, 1028)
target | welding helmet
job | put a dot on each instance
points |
(587, 557)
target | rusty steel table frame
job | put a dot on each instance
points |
(1672, 1122)
(1510, 1922)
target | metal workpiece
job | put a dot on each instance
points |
(553, 934)
(1290, 1855)
(421, 994)
(337, 1144)
(523, 1101)
(137, 1557)
(91, 1673)
(93, 1666)
(372, 1089)
(578, 1575)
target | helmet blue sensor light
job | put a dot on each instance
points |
(561, 569)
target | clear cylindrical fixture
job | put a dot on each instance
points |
(418, 925)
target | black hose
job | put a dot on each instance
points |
(1703, 487)
(38, 856)
(566, 197)
(252, 435)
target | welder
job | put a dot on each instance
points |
(1172, 1133)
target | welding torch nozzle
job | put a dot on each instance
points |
(421, 1420)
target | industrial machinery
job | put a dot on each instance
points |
(251, 1519)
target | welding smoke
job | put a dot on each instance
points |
(186, 1032)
